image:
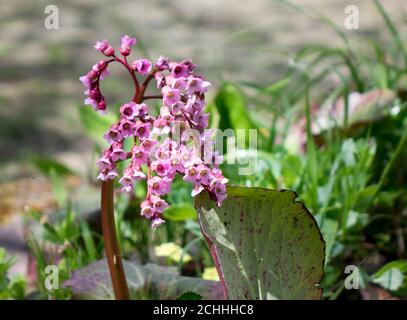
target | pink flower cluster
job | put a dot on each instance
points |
(156, 155)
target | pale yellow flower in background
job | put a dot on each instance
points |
(171, 251)
(210, 274)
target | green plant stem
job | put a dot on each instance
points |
(390, 164)
(114, 259)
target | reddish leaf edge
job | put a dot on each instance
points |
(213, 249)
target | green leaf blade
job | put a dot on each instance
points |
(264, 243)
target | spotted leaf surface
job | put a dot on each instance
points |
(265, 244)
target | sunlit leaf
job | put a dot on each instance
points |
(266, 244)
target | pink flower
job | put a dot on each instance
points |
(218, 189)
(190, 65)
(142, 66)
(140, 156)
(138, 174)
(142, 109)
(127, 181)
(201, 119)
(101, 45)
(126, 44)
(160, 79)
(191, 174)
(86, 81)
(101, 69)
(148, 144)
(104, 163)
(162, 168)
(164, 151)
(177, 108)
(189, 157)
(159, 204)
(195, 104)
(197, 189)
(181, 122)
(118, 153)
(170, 96)
(197, 85)
(142, 130)
(113, 135)
(217, 173)
(159, 186)
(109, 174)
(146, 209)
(179, 70)
(156, 222)
(204, 174)
(176, 162)
(102, 106)
(104, 47)
(126, 128)
(179, 83)
(162, 63)
(161, 126)
(129, 110)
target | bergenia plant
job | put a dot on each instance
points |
(173, 142)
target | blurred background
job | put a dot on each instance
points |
(250, 45)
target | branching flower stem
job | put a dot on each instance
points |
(117, 274)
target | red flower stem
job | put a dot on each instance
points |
(132, 74)
(143, 87)
(158, 96)
(120, 288)
(121, 291)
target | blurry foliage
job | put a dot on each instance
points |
(14, 288)
(351, 174)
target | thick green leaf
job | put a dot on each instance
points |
(180, 212)
(148, 281)
(392, 279)
(392, 275)
(231, 106)
(265, 244)
(45, 165)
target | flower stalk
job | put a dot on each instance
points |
(162, 144)
(121, 291)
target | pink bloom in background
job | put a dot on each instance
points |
(159, 204)
(156, 222)
(170, 96)
(142, 130)
(140, 156)
(118, 153)
(104, 47)
(127, 181)
(142, 66)
(155, 155)
(179, 70)
(126, 128)
(129, 110)
(159, 186)
(104, 163)
(113, 135)
(142, 109)
(126, 44)
(163, 63)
